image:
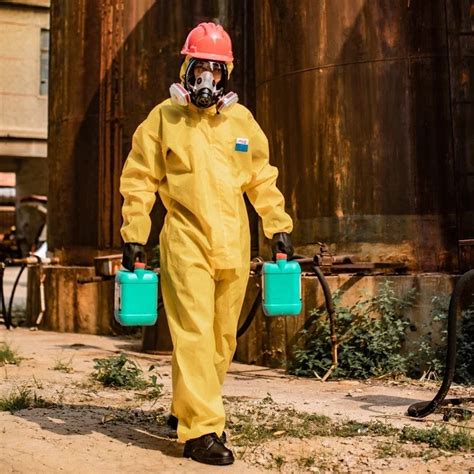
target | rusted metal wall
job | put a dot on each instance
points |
(460, 27)
(354, 96)
(112, 61)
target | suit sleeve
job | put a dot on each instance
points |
(141, 175)
(262, 191)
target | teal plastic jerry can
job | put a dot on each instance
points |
(136, 296)
(281, 287)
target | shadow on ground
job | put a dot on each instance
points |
(79, 346)
(146, 430)
(372, 402)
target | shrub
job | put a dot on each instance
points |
(370, 332)
(119, 372)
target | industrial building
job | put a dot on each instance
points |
(24, 60)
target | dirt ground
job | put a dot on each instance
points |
(91, 429)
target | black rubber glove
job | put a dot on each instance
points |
(281, 243)
(132, 252)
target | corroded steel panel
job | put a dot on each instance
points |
(73, 123)
(112, 61)
(460, 24)
(354, 96)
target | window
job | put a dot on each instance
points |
(44, 61)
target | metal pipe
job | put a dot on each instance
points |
(39, 318)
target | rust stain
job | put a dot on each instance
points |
(112, 61)
(464, 79)
(364, 112)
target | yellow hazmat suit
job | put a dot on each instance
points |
(201, 163)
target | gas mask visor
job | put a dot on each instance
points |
(203, 84)
(205, 81)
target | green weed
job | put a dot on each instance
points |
(394, 449)
(388, 449)
(439, 437)
(306, 461)
(264, 420)
(279, 461)
(121, 372)
(21, 398)
(38, 383)
(261, 422)
(256, 423)
(63, 366)
(8, 355)
(371, 334)
(353, 428)
(154, 391)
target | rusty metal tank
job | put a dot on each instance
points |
(460, 24)
(112, 61)
(354, 97)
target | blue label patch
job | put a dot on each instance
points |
(242, 144)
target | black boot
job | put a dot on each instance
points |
(208, 449)
(172, 423)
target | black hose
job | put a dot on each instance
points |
(326, 290)
(331, 316)
(6, 319)
(422, 409)
(10, 304)
(250, 317)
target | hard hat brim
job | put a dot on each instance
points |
(212, 57)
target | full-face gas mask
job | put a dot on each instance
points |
(204, 85)
(205, 80)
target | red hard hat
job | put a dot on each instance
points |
(209, 41)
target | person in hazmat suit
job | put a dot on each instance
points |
(201, 151)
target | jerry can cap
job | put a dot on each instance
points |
(139, 265)
(281, 256)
